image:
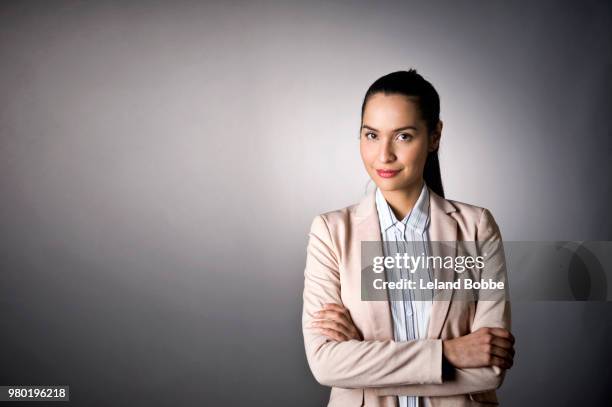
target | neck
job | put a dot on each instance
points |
(403, 200)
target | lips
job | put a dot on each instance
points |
(387, 173)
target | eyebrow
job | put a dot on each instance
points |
(365, 126)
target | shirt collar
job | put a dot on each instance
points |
(417, 219)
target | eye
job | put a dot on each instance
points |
(405, 136)
(368, 134)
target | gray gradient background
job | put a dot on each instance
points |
(161, 162)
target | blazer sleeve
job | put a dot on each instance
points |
(353, 363)
(491, 312)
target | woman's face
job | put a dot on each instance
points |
(394, 138)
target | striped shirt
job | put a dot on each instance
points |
(410, 317)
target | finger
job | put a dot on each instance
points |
(334, 307)
(337, 308)
(348, 328)
(484, 330)
(327, 313)
(334, 326)
(501, 342)
(501, 362)
(335, 335)
(501, 332)
(502, 353)
(335, 316)
(504, 333)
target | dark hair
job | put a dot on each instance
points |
(410, 83)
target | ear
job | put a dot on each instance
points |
(434, 138)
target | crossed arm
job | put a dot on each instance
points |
(339, 357)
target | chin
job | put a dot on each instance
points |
(388, 185)
(392, 184)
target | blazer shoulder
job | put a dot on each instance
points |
(466, 210)
(475, 217)
(339, 216)
(337, 223)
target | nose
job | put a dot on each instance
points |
(386, 154)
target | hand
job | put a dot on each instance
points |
(334, 321)
(484, 347)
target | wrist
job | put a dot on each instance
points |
(448, 369)
(448, 350)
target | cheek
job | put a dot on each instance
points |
(368, 154)
(414, 155)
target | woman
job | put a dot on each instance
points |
(406, 352)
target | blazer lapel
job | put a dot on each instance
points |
(367, 229)
(442, 237)
(442, 228)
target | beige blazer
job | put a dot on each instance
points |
(373, 371)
